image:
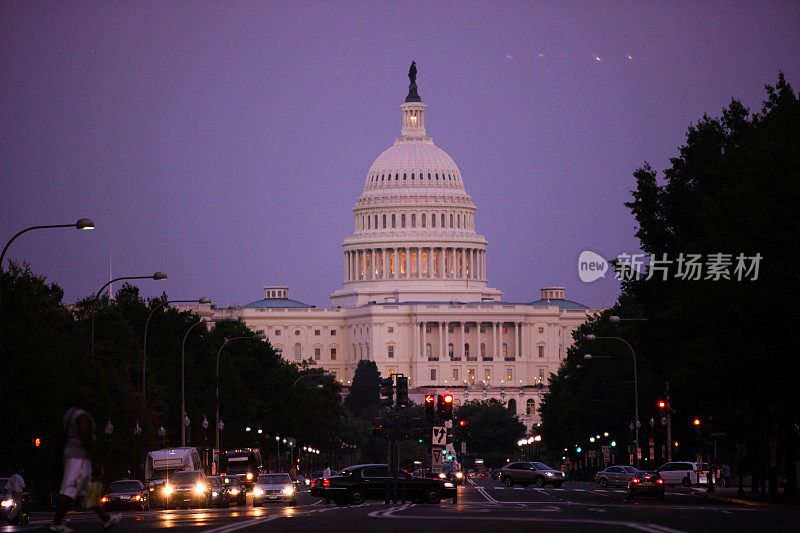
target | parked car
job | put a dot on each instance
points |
(237, 491)
(368, 482)
(615, 475)
(126, 494)
(189, 488)
(683, 473)
(526, 472)
(646, 483)
(274, 487)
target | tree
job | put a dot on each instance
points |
(363, 400)
(493, 428)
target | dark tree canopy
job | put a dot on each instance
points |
(363, 399)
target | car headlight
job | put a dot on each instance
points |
(459, 475)
(258, 491)
(249, 476)
(288, 490)
(548, 474)
(227, 481)
(308, 482)
(234, 492)
(448, 485)
(138, 497)
(442, 475)
(200, 488)
(167, 490)
(7, 503)
(214, 493)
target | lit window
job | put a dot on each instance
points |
(466, 349)
(541, 330)
(433, 374)
(541, 350)
(428, 351)
(505, 329)
(390, 351)
(333, 354)
(391, 329)
(471, 376)
(317, 353)
(487, 374)
(510, 374)
(541, 374)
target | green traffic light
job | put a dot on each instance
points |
(613, 443)
(578, 449)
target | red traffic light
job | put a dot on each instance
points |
(696, 422)
(37, 442)
(662, 404)
(462, 422)
(448, 398)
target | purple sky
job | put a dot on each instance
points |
(225, 143)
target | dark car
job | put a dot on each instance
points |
(237, 491)
(530, 472)
(368, 482)
(646, 483)
(187, 488)
(126, 494)
(615, 475)
(219, 492)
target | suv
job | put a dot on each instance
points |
(683, 473)
(525, 473)
(615, 475)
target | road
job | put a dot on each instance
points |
(483, 506)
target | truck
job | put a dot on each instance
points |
(161, 464)
(244, 464)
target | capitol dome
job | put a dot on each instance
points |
(414, 225)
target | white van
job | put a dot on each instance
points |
(683, 473)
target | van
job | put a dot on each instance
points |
(683, 473)
(161, 464)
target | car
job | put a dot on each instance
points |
(273, 488)
(187, 488)
(219, 492)
(683, 473)
(646, 483)
(615, 475)
(370, 481)
(126, 494)
(237, 491)
(526, 472)
(451, 474)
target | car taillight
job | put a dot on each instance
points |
(597, 474)
(660, 481)
(313, 482)
(634, 480)
(326, 482)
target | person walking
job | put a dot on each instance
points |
(80, 461)
(16, 485)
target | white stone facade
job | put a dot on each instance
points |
(415, 297)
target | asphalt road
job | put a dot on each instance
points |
(483, 506)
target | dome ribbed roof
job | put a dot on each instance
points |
(414, 164)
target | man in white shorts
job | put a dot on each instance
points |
(80, 460)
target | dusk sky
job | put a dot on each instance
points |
(225, 143)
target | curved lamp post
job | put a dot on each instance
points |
(258, 336)
(591, 337)
(82, 223)
(144, 343)
(156, 276)
(323, 374)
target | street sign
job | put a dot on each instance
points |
(439, 436)
(463, 447)
(607, 453)
(436, 461)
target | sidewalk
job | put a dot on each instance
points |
(731, 494)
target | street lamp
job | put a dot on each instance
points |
(592, 337)
(158, 276)
(82, 223)
(323, 374)
(258, 336)
(144, 343)
(109, 429)
(137, 432)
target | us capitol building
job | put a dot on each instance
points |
(415, 298)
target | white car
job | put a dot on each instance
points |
(683, 473)
(274, 488)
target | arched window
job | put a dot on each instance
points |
(505, 351)
(450, 350)
(423, 220)
(369, 222)
(376, 222)
(383, 176)
(412, 175)
(433, 221)
(466, 350)
(413, 220)
(394, 220)
(512, 406)
(404, 176)
(429, 176)
(437, 176)
(403, 220)
(384, 221)
(298, 351)
(428, 351)
(396, 177)
(443, 220)
(458, 219)
(451, 220)
(483, 350)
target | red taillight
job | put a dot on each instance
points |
(634, 480)
(313, 482)
(660, 481)
(326, 482)
(597, 474)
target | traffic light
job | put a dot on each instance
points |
(36, 442)
(696, 422)
(430, 407)
(378, 429)
(387, 392)
(462, 423)
(402, 391)
(662, 404)
(445, 407)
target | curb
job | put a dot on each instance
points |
(734, 500)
